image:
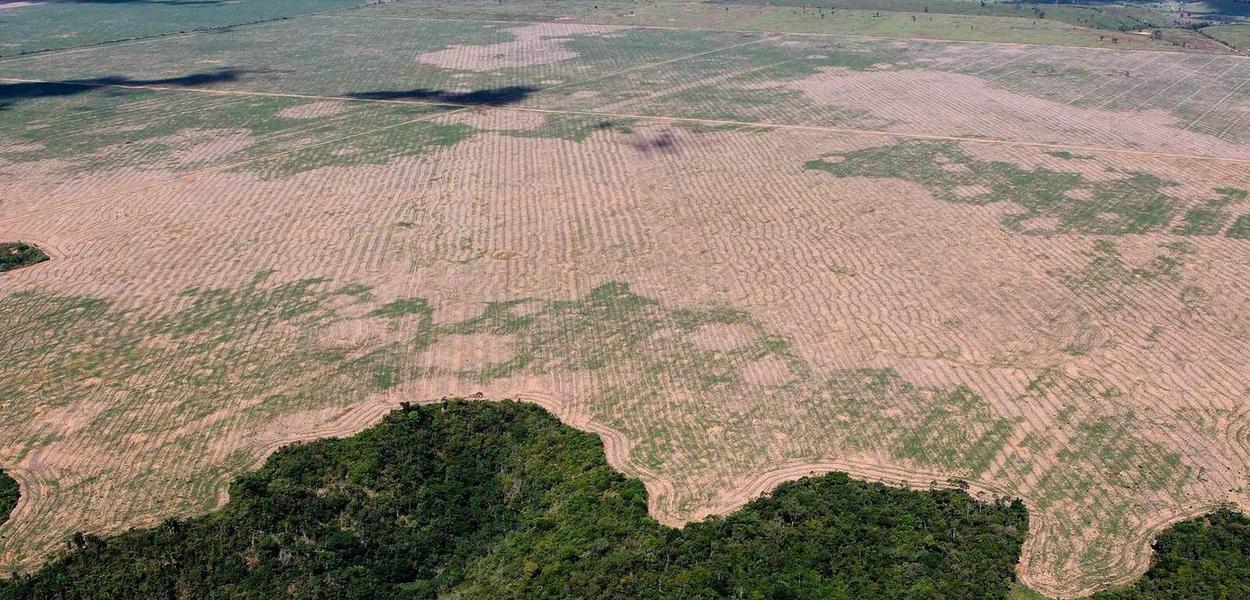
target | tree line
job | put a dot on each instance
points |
(501, 500)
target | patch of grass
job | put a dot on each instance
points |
(410, 139)
(1240, 229)
(404, 307)
(1210, 217)
(1110, 446)
(1112, 17)
(500, 500)
(358, 291)
(1232, 194)
(163, 130)
(720, 103)
(385, 377)
(1106, 270)
(15, 255)
(185, 363)
(1134, 204)
(574, 127)
(1236, 35)
(1065, 155)
(955, 428)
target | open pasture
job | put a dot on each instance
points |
(739, 257)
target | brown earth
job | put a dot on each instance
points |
(779, 321)
(946, 103)
(536, 44)
(940, 292)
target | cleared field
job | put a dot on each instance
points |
(1179, 103)
(38, 25)
(914, 261)
(948, 20)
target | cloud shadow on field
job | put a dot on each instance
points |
(10, 92)
(484, 97)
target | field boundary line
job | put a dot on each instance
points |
(852, 36)
(673, 119)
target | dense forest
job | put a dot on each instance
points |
(15, 255)
(500, 500)
(9, 493)
(1207, 557)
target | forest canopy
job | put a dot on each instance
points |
(495, 500)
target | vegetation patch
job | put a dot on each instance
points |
(500, 500)
(153, 129)
(1210, 217)
(1065, 155)
(1134, 203)
(1107, 271)
(15, 255)
(1240, 229)
(575, 127)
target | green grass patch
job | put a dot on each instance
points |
(1133, 204)
(1107, 270)
(1236, 35)
(574, 127)
(1210, 217)
(145, 129)
(1065, 155)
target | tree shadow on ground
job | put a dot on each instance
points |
(664, 143)
(29, 90)
(484, 97)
